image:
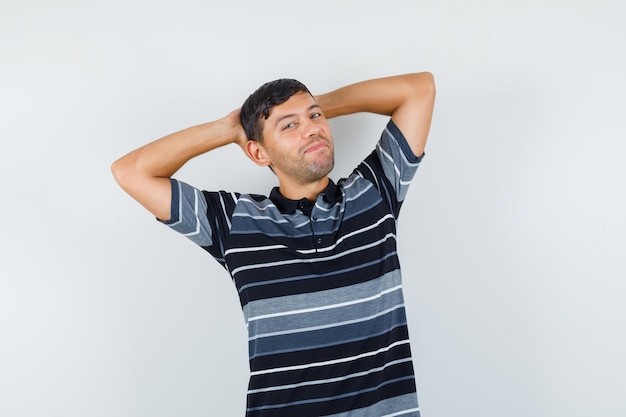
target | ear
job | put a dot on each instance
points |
(257, 153)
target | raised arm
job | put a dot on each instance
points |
(409, 100)
(144, 173)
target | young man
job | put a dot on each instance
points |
(315, 263)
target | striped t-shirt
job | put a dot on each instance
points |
(320, 287)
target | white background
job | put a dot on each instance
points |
(512, 236)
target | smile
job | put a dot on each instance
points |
(316, 146)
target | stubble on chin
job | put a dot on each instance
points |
(320, 168)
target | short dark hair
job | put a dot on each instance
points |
(260, 103)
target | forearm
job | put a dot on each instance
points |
(165, 156)
(380, 95)
(144, 173)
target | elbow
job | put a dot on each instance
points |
(421, 89)
(121, 170)
(116, 170)
(424, 84)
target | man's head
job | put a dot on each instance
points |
(288, 133)
(257, 107)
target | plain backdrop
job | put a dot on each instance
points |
(511, 239)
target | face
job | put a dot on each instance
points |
(297, 140)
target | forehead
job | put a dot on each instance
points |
(298, 103)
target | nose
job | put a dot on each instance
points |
(311, 129)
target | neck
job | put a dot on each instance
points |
(310, 191)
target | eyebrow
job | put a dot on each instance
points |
(286, 116)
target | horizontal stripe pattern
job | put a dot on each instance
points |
(321, 295)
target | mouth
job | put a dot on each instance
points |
(316, 146)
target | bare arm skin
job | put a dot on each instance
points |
(144, 173)
(409, 100)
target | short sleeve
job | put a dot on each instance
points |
(203, 217)
(189, 213)
(397, 159)
(391, 167)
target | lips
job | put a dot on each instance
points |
(320, 144)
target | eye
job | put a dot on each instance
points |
(289, 126)
(316, 115)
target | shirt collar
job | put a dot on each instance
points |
(330, 195)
